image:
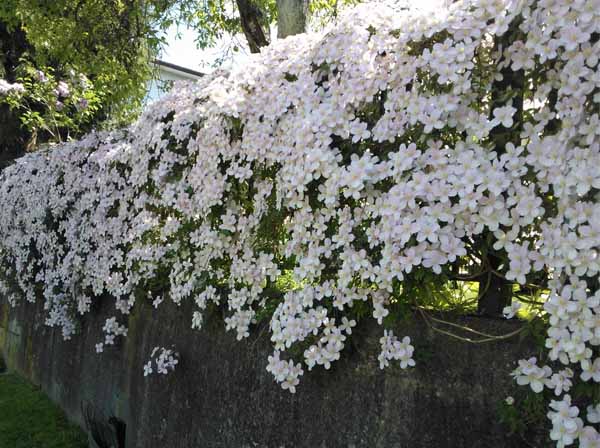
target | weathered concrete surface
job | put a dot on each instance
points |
(221, 396)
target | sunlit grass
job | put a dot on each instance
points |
(457, 296)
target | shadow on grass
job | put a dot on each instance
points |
(28, 419)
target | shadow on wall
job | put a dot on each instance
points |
(221, 396)
(103, 432)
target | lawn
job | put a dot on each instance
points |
(28, 419)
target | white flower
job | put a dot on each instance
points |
(347, 325)
(591, 370)
(561, 381)
(63, 89)
(593, 413)
(197, 320)
(311, 356)
(529, 373)
(504, 116)
(589, 438)
(510, 311)
(148, 368)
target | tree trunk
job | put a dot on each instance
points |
(495, 292)
(291, 17)
(252, 21)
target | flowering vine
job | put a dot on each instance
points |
(335, 170)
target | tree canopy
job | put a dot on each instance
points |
(73, 64)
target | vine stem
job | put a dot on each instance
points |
(485, 337)
(529, 285)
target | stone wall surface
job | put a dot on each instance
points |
(220, 394)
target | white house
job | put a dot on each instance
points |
(166, 74)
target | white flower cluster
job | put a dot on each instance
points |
(529, 373)
(285, 372)
(111, 329)
(165, 361)
(392, 348)
(566, 425)
(7, 88)
(346, 162)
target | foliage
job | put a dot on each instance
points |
(368, 171)
(213, 19)
(57, 107)
(110, 43)
(525, 416)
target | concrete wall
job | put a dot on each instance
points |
(220, 395)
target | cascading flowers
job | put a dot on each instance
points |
(342, 164)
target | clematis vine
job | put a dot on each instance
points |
(312, 187)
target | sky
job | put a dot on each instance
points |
(181, 49)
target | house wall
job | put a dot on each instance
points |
(156, 87)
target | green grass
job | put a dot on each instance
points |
(28, 419)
